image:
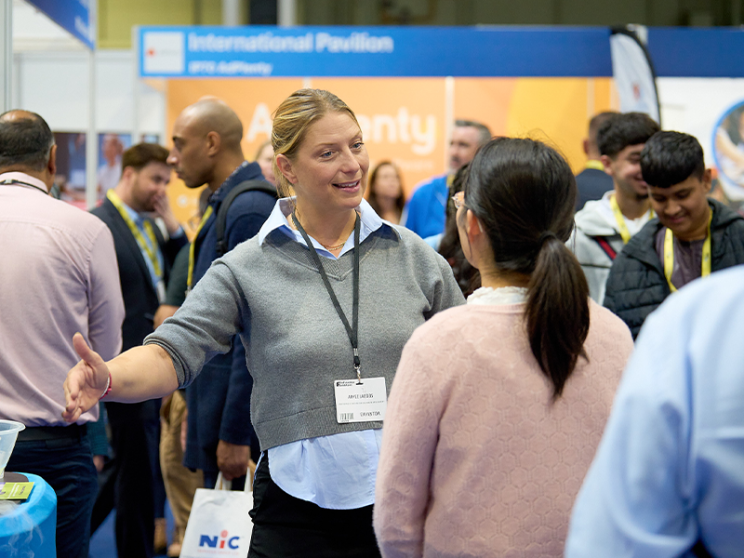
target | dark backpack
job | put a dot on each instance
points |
(247, 186)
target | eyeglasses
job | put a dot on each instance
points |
(459, 199)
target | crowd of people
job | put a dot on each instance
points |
(486, 323)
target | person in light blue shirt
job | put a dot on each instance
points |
(668, 478)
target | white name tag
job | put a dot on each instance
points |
(360, 402)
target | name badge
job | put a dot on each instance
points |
(363, 401)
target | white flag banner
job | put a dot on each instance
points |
(634, 74)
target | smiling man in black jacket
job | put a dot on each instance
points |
(691, 237)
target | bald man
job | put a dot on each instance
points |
(206, 150)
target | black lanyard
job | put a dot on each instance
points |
(11, 182)
(352, 331)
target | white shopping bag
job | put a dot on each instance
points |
(219, 524)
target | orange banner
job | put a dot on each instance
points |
(405, 119)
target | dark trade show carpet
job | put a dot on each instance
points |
(103, 541)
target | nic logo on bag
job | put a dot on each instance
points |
(221, 541)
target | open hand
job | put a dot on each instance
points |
(85, 381)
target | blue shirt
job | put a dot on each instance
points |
(338, 471)
(670, 468)
(425, 213)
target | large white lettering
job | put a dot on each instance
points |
(362, 43)
(420, 132)
(356, 42)
(426, 136)
(260, 122)
(263, 42)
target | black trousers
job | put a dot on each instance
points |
(287, 527)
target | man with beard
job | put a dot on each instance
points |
(605, 226)
(144, 259)
(691, 237)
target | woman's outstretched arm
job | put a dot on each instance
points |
(136, 375)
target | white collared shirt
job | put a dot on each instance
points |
(279, 219)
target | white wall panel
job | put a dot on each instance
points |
(55, 84)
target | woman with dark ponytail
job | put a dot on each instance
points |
(498, 406)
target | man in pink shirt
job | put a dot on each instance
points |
(59, 276)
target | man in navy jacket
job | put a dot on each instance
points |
(206, 150)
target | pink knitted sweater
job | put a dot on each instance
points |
(475, 459)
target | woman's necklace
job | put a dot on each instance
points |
(329, 248)
(333, 248)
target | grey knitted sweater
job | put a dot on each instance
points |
(296, 345)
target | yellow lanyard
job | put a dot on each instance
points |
(669, 255)
(151, 248)
(594, 164)
(190, 280)
(622, 227)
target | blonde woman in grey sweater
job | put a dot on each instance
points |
(324, 298)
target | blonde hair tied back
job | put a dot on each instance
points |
(292, 120)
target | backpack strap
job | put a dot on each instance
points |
(606, 247)
(221, 220)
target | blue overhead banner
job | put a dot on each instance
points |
(268, 51)
(72, 15)
(692, 52)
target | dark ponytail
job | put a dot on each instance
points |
(557, 312)
(523, 191)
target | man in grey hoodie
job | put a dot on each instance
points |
(603, 227)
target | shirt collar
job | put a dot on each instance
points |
(23, 177)
(136, 217)
(283, 209)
